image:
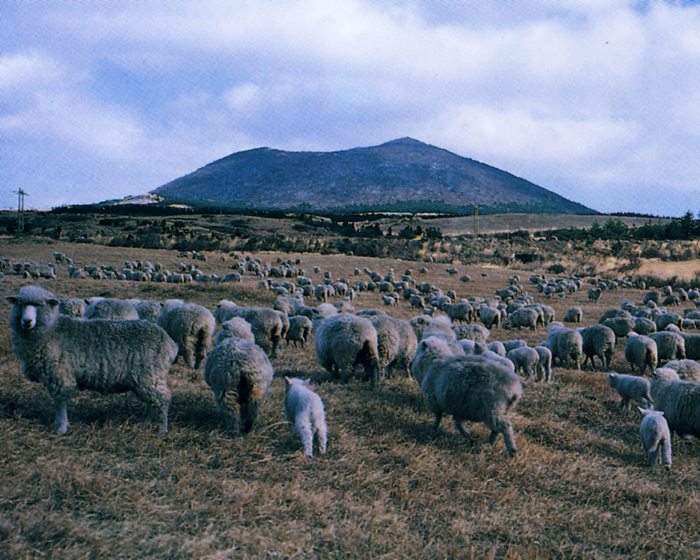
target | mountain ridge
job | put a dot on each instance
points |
(403, 174)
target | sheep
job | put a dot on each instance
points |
(72, 307)
(524, 359)
(621, 326)
(299, 330)
(688, 370)
(644, 326)
(523, 317)
(430, 349)
(235, 328)
(497, 348)
(692, 345)
(111, 308)
(473, 388)
(67, 354)
(237, 369)
(419, 324)
(598, 341)
(641, 352)
(544, 364)
(510, 344)
(408, 343)
(149, 310)
(343, 341)
(305, 414)
(459, 312)
(268, 325)
(565, 344)
(223, 311)
(594, 294)
(631, 388)
(574, 315)
(670, 345)
(680, 403)
(656, 438)
(490, 317)
(477, 333)
(192, 327)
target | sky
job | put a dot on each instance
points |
(595, 100)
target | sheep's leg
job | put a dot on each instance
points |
(322, 436)
(438, 418)
(61, 421)
(307, 437)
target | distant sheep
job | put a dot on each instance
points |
(239, 373)
(631, 388)
(299, 330)
(192, 327)
(68, 354)
(574, 315)
(305, 414)
(476, 389)
(344, 341)
(656, 438)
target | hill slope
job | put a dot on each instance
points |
(404, 174)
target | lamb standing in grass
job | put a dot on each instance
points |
(631, 388)
(305, 414)
(238, 369)
(68, 354)
(474, 388)
(656, 438)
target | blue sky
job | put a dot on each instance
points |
(596, 100)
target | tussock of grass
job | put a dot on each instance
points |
(389, 487)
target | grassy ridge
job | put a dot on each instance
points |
(389, 486)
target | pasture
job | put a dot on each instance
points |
(389, 487)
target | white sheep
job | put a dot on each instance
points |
(269, 325)
(680, 403)
(238, 370)
(111, 308)
(235, 328)
(474, 388)
(565, 344)
(344, 341)
(305, 414)
(192, 327)
(68, 354)
(641, 352)
(631, 388)
(524, 359)
(300, 328)
(656, 438)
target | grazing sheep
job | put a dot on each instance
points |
(598, 341)
(192, 327)
(459, 312)
(419, 324)
(644, 326)
(524, 359)
(524, 317)
(299, 330)
(408, 343)
(621, 326)
(680, 403)
(670, 345)
(641, 352)
(594, 294)
(235, 328)
(565, 344)
(631, 388)
(239, 370)
(510, 344)
(268, 325)
(67, 354)
(343, 341)
(692, 345)
(544, 364)
(497, 348)
(656, 438)
(477, 333)
(111, 308)
(473, 388)
(490, 317)
(223, 311)
(574, 315)
(305, 414)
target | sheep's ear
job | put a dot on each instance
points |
(12, 300)
(53, 303)
(287, 382)
(307, 382)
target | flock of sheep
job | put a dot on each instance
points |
(111, 345)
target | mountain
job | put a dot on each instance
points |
(401, 175)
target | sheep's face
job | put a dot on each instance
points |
(27, 310)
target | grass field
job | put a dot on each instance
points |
(389, 486)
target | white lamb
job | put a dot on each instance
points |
(656, 438)
(305, 413)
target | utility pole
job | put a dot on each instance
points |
(20, 209)
(476, 220)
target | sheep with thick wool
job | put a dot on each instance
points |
(565, 344)
(473, 388)
(235, 328)
(344, 341)
(680, 403)
(631, 388)
(598, 341)
(299, 331)
(524, 359)
(432, 348)
(305, 413)
(66, 354)
(192, 327)
(269, 326)
(239, 373)
(641, 352)
(111, 308)
(670, 345)
(656, 438)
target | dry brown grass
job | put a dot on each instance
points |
(389, 487)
